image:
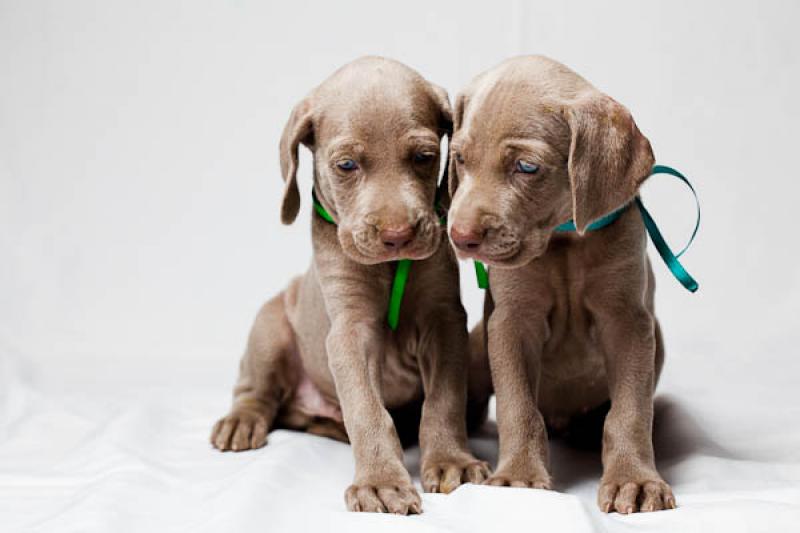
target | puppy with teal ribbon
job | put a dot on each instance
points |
(544, 179)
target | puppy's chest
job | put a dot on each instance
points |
(569, 322)
(564, 276)
(409, 350)
(401, 375)
(572, 357)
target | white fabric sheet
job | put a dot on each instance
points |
(127, 450)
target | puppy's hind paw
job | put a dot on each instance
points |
(241, 430)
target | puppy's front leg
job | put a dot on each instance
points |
(516, 340)
(382, 483)
(628, 335)
(446, 459)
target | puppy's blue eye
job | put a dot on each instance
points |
(347, 164)
(424, 157)
(527, 168)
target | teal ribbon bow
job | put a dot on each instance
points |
(670, 258)
(666, 253)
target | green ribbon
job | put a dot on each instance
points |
(398, 289)
(400, 273)
(669, 258)
(481, 275)
(321, 210)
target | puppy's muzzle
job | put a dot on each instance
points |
(467, 239)
(487, 241)
(415, 237)
(397, 237)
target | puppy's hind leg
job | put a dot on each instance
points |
(267, 379)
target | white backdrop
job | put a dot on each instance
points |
(139, 193)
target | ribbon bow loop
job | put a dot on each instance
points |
(670, 258)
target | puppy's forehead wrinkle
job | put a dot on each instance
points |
(547, 75)
(535, 147)
(375, 93)
(345, 145)
(421, 136)
(524, 95)
(372, 121)
(369, 71)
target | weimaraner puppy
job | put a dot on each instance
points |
(321, 357)
(569, 323)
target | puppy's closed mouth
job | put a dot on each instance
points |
(492, 242)
(370, 256)
(500, 260)
(366, 247)
(415, 253)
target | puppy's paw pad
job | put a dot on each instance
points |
(626, 497)
(445, 476)
(240, 430)
(402, 500)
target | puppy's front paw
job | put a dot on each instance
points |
(382, 498)
(532, 478)
(634, 494)
(446, 474)
(242, 429)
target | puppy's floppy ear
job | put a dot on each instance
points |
(458, 118)
(445, 111)
(609, 158)
(299, 129)
(445, 127)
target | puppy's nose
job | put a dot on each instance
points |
(396, 237)
(467, 238)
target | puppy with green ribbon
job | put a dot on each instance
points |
(372, 339)
(544, 180)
